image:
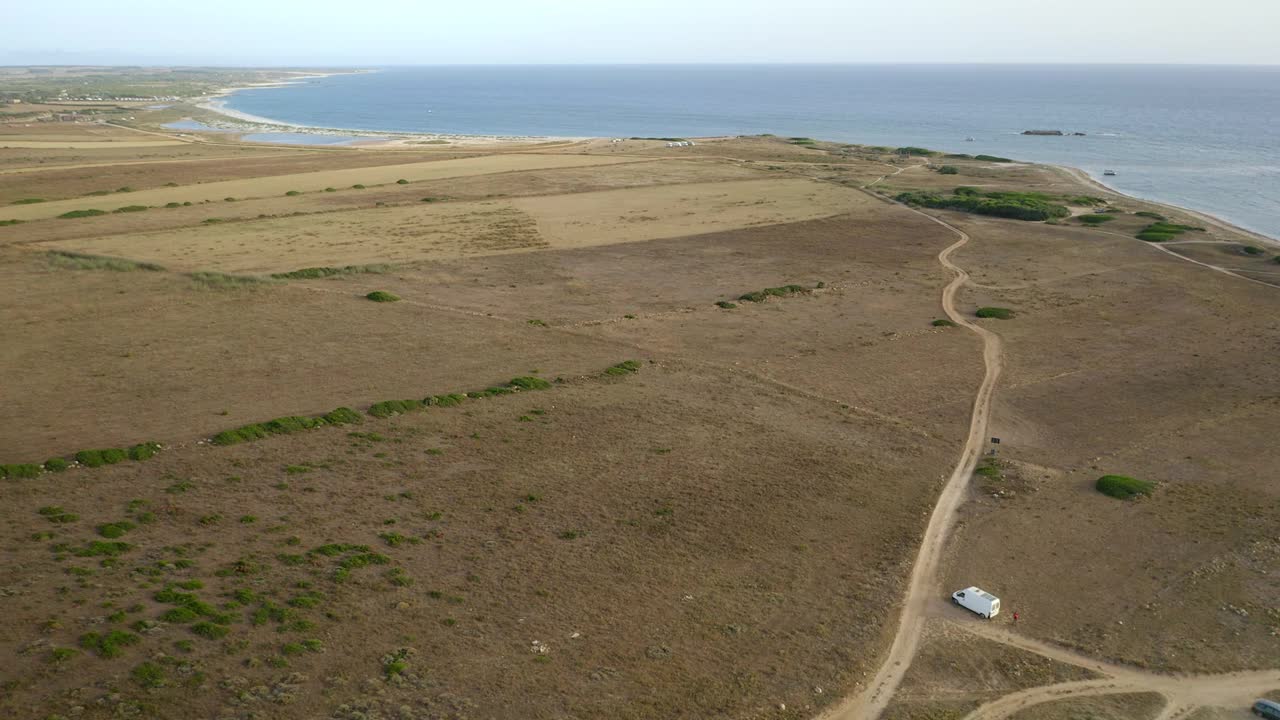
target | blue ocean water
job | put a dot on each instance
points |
(1206, 137)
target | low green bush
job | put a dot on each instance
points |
(27, 201)
(450, 400)
(173, 204)
(1096, 219)
(343, 416)
(1149, 214)
(130, 208)
(5, 223)
(918, 151)
(82, 213)
(109, 644)
(1014, 205)
(948, 170)
(765, 294)
(943, 322)
(292, 193)
(144, 451)
(726, 304)
(529, 383)
(402, 181)
(98, 458)
(56, 464)
(388, 408)
(1124, 487)
(315, 273)
(23, 471)
(382, 296)
(357, 187)
(1149, 236)
(992, 158)
(623, 368)
(224, 281)
(1251, 250)
(998, 313)
(81, 261)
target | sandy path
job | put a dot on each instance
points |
(923, 584)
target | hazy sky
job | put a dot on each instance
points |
(371, 32)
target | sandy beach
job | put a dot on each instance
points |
(246, 123)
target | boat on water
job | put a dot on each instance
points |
(1109, 173)
(968, 139)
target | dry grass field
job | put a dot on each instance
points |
(722, 528)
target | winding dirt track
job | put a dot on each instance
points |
(923, 582)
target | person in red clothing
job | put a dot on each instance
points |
(1015, 617)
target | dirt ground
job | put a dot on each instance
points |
(954, 672)
(726, 533)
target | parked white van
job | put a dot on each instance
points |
(977, 600)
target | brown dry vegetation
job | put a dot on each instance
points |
(724, 533)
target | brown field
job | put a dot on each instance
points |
(727, 532)
(458, 229)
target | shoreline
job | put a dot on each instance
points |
(1201, 215)
(246, 123)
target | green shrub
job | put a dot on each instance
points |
(149, 675)
(529, 383)
(1013, 205)
(55, 514)
(381, 296)
(56, 464)
(623, 368)
(943, 322)
(992, 158)
(388, 408)
(357, 187)
(1149, 236)
(144, 451)
(82, 261)
(726, 304)
(1096, 219)
(130, 208)
(1123, 487)
(1251, 250)
(5, 223)
(1149, 214)
(209, 630)
(998, 313)
(343, 416)
(765, 294)
(173, 204)
(314, 273)
(98, 548)
(115, 529)
(98, 458)
(20, 470)
(224, 281)
(948, 170)
(402, 181)
(449, 400)
(910, 150)
(27, 201)
(109, 644)
(82, 213)
(292, 193)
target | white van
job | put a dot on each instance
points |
(977, 600)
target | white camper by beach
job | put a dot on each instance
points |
(977, 600)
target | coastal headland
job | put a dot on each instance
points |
(617, 428)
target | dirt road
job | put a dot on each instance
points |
(922, 586)
(1184, 693)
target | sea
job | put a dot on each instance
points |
(1203, 137)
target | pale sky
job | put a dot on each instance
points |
(428, 32)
